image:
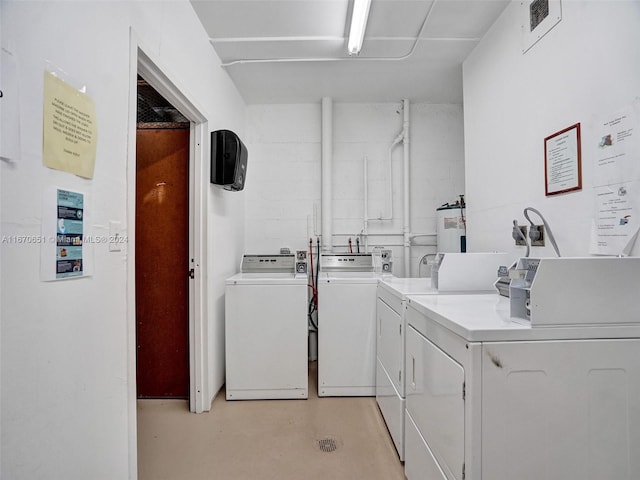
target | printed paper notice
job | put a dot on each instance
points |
(66, 251)
(562, 159)
(617, 152)
(69, 234)
(10, 107)
(69, 128)
(616, 225)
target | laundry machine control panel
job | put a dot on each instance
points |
(346, 262)
(281, 263)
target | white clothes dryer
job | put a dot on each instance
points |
(459, 273)
(390, 350)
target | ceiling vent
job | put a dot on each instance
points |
(537, 18)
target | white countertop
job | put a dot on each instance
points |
(485, 318)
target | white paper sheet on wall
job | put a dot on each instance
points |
(616, 179)
(69, 128)
(9, 108)
(616, 223)
(617, 150)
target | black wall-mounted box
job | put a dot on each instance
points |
(228, 160)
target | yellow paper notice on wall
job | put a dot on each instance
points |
(69, 128)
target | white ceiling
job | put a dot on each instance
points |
(295, 51)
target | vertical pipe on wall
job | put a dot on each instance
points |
(365, 227)
(326, 164)
(406, 229)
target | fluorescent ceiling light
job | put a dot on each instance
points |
(359, 17)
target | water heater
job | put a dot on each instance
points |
(451, 228)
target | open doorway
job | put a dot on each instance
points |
(161, 247)
(144, 66)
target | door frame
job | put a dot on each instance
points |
(143, 63)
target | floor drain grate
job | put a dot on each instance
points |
(327, 445)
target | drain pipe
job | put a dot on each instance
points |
(406, 229)
(325, 166)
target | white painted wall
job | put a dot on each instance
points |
(587, 66)
(283, 177)
(67, 405)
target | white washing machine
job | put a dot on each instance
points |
(347, 325)
(266, 329)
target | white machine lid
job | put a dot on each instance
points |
(486, 318)
(267, 279)
(349, 277)
(400, 287)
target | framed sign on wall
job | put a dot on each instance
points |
(563, 161)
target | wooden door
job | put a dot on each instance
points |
(162, 263)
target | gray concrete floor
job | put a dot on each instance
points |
(266, 439)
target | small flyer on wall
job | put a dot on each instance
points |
(69, 235)
(64, 254)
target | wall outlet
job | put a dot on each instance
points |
(536, 235)
(519, 240)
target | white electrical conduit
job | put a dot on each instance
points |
(546, 226)
(518, 233)
(403, 137)
(406, 229)
(365, 229)
(417, 235)
(326, 213)
(390, 234)
(365, 223)
(337, 59)
(397, 140)
(340, 242)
